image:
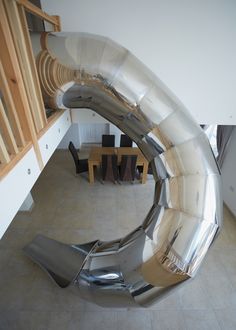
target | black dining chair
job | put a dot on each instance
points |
(125, 141)
(108, 140)
(81, 165)
(109, 168)
(127, 169)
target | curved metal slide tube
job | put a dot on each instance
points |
(83, 70)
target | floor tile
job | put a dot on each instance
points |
(226, 318)
(69, 209)
(201, 320)
(168, 319)
(93, 320)
(134, 320)
(60, 320)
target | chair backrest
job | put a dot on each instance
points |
(125, 141)
(74, 154)
(128, 167)
(108, 140)
(109, 167)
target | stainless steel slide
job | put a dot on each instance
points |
(83, 70)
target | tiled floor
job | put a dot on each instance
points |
(69, 209)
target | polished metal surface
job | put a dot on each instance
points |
(171, 243)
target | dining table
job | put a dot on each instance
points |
(95, 159)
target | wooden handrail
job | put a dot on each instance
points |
(12, 113)
(53, 19)
(22, 113)
(6, 167)
(51, 120)
(29, 50)
(37, 108)
(7, 131)
(16, 83)
(4, 156)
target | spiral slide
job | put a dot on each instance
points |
(83, 70)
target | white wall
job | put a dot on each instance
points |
(54, 135)
(71, 135)
(189, 44)
(82, 117)
(16, 185)
(28, 203)
(229, 176)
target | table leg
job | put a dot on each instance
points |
(91, 172)
(145, 171)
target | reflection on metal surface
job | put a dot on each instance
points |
(82, 70)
